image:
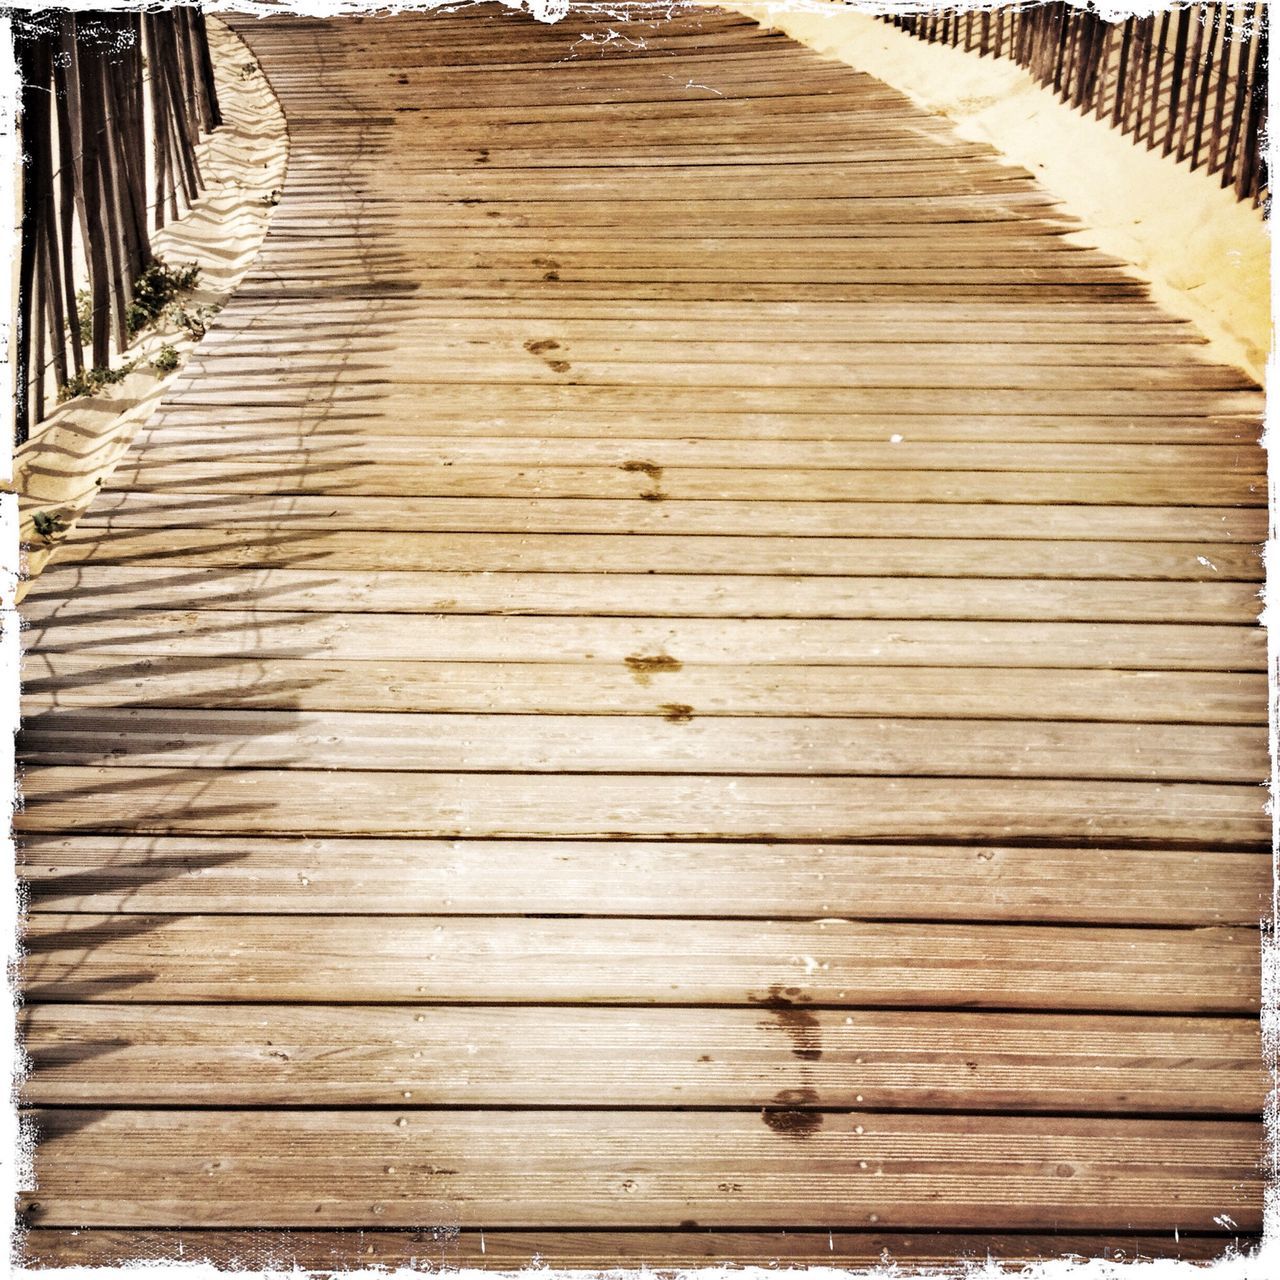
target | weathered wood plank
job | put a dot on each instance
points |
(257, 548)
(355, 637)
(250, 875)
(452, 959)
(353, 475)
(333, 512)
(289, 1055)
(680, 741)
(618, 451)
(101, 678)
(481, 399)
(341, 1168)
(479, 1249)
(70, 799)
(130, 588)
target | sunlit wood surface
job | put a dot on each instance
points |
(677, 680)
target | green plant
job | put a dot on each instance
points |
(166, 359)
(84, 313)
(91, 381)
(194, 320)
(154, 289)
(47, 524)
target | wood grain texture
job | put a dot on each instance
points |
(772, 642)
(480, 1249)
(161, 801)
(100, 678)
(654, 595)
(530, 960)
(677, 742)
(676, 680)
(720, 1169)
(121, 1054)
(1077, 884)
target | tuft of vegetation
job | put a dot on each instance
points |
(47, 524)
(247, 69)
(193, 320)
(84, 313)
(166, 360)
(155, 289)
(91, 381)
(272, 197)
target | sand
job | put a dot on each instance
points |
(60, 470)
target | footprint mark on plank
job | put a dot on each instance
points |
(645, 665)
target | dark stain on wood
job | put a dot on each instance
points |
(650, 469)
(792, 1123)
(642, 666)
(780, 997)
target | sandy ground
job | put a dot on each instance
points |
(59, 470)
(1205, 254)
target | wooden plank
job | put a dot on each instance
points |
(395, 302)
(647, 595)
(584, 515)
(678, 742)
(232, 546)
(445, 1246)
(657, 456)
(826, 321)
(708, 342)
(567, 367)
(482, 398)
(451, 1246)
(290, 1055)
(360, 637)
(193, 421)
(1080, 883)
(630, 342)
(863, 243)
(292, 802)
(548, 688)
(360, 476)
(339, 1168)
(463, 960)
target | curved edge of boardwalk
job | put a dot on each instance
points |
(677, 680)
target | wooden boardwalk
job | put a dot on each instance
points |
(677, 679)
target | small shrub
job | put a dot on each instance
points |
(272, 197)
(47, 524)
(84, 313)
(194, 320)
(91, 381)
(166, 360)
(154, 289)
(247, 69)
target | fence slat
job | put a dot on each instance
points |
(90, 116)
(1189, 83)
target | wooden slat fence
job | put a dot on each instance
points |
(113, 106)
(1190, 83)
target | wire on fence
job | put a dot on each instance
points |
(111, 104)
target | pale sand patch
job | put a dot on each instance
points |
(71, 453)
(1205, 254)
